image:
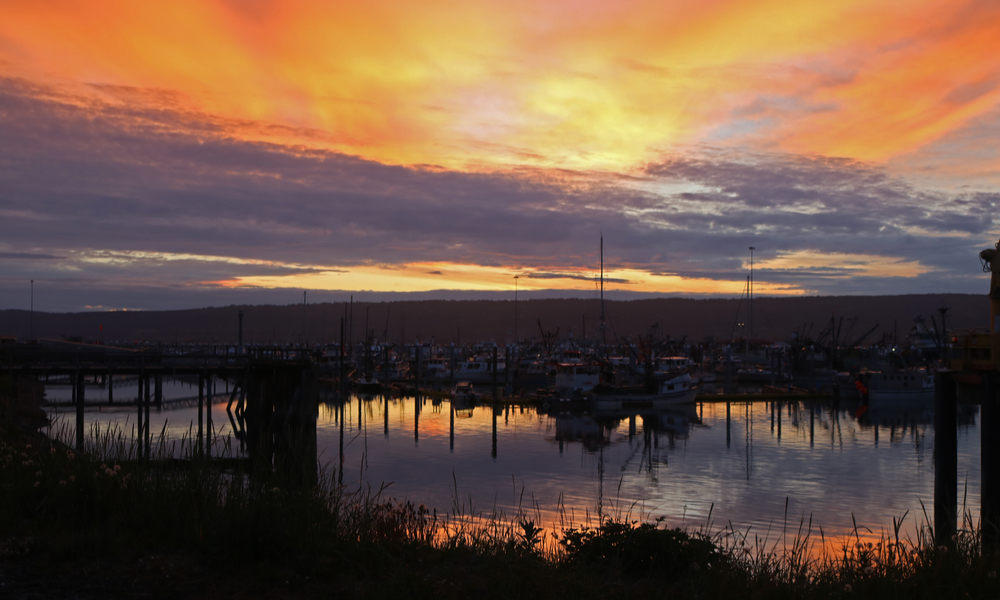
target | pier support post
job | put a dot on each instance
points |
(78, 387)
(416, 414)
(451, 363)
(209, 393)
(945, 458)
(496, 410)
(201, 408)
(729, 424)
(146, 426)
(340, 364)
(495, 393)
(138, 408)
(159, 392)
(990, 462)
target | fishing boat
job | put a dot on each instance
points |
(905, 385)
(480, 370)
(680, 389)
(576, 378)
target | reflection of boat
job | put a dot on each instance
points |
(680, 389)
(366, 384)
(908, 385)
(463, 393)
(593, 428)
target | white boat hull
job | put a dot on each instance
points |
(631, 401)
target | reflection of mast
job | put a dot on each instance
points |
(493, 452)
(600, 479)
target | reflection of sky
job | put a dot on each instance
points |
(178, 422)
(824, 462)
(680, 466)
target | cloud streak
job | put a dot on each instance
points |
(162, 198)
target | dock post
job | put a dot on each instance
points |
(945, 458)
(416, 416)
(451, 362)
(495, 410)
(340, 362)
(729, 424)
(385, 367)
(146, 419)
(201, 408)
(506, 365)
(138, 406)
(495, 394)
(990, 462)
(451, 427)
(78, 388)
(159, 392)
(209, 392)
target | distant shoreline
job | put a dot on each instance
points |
(470, 321)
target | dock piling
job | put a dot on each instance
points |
(990, 462)
(945, 458)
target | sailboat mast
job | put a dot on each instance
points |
(603, 335)
(750, 296)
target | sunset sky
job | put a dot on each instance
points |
(180, 154)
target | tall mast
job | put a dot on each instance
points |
(750, 297)
(603, 335)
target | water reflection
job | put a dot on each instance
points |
(836, 462)
(828, 459)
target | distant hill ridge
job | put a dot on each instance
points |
(465, 321)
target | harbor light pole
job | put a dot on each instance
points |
(31, 320)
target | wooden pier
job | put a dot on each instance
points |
(273, 394)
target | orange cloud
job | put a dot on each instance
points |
(579, 84)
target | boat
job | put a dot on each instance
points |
(576, 378)
(905, 385)
(757, 375)
(680, 389)
(481, 371)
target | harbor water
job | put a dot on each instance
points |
(761, 467)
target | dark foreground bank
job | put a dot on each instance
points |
(100, 523)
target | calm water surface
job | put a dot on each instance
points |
(739, 462)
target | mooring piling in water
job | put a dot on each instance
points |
(990, 461)
(78, 394)
(145, 440)
(945, 458)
